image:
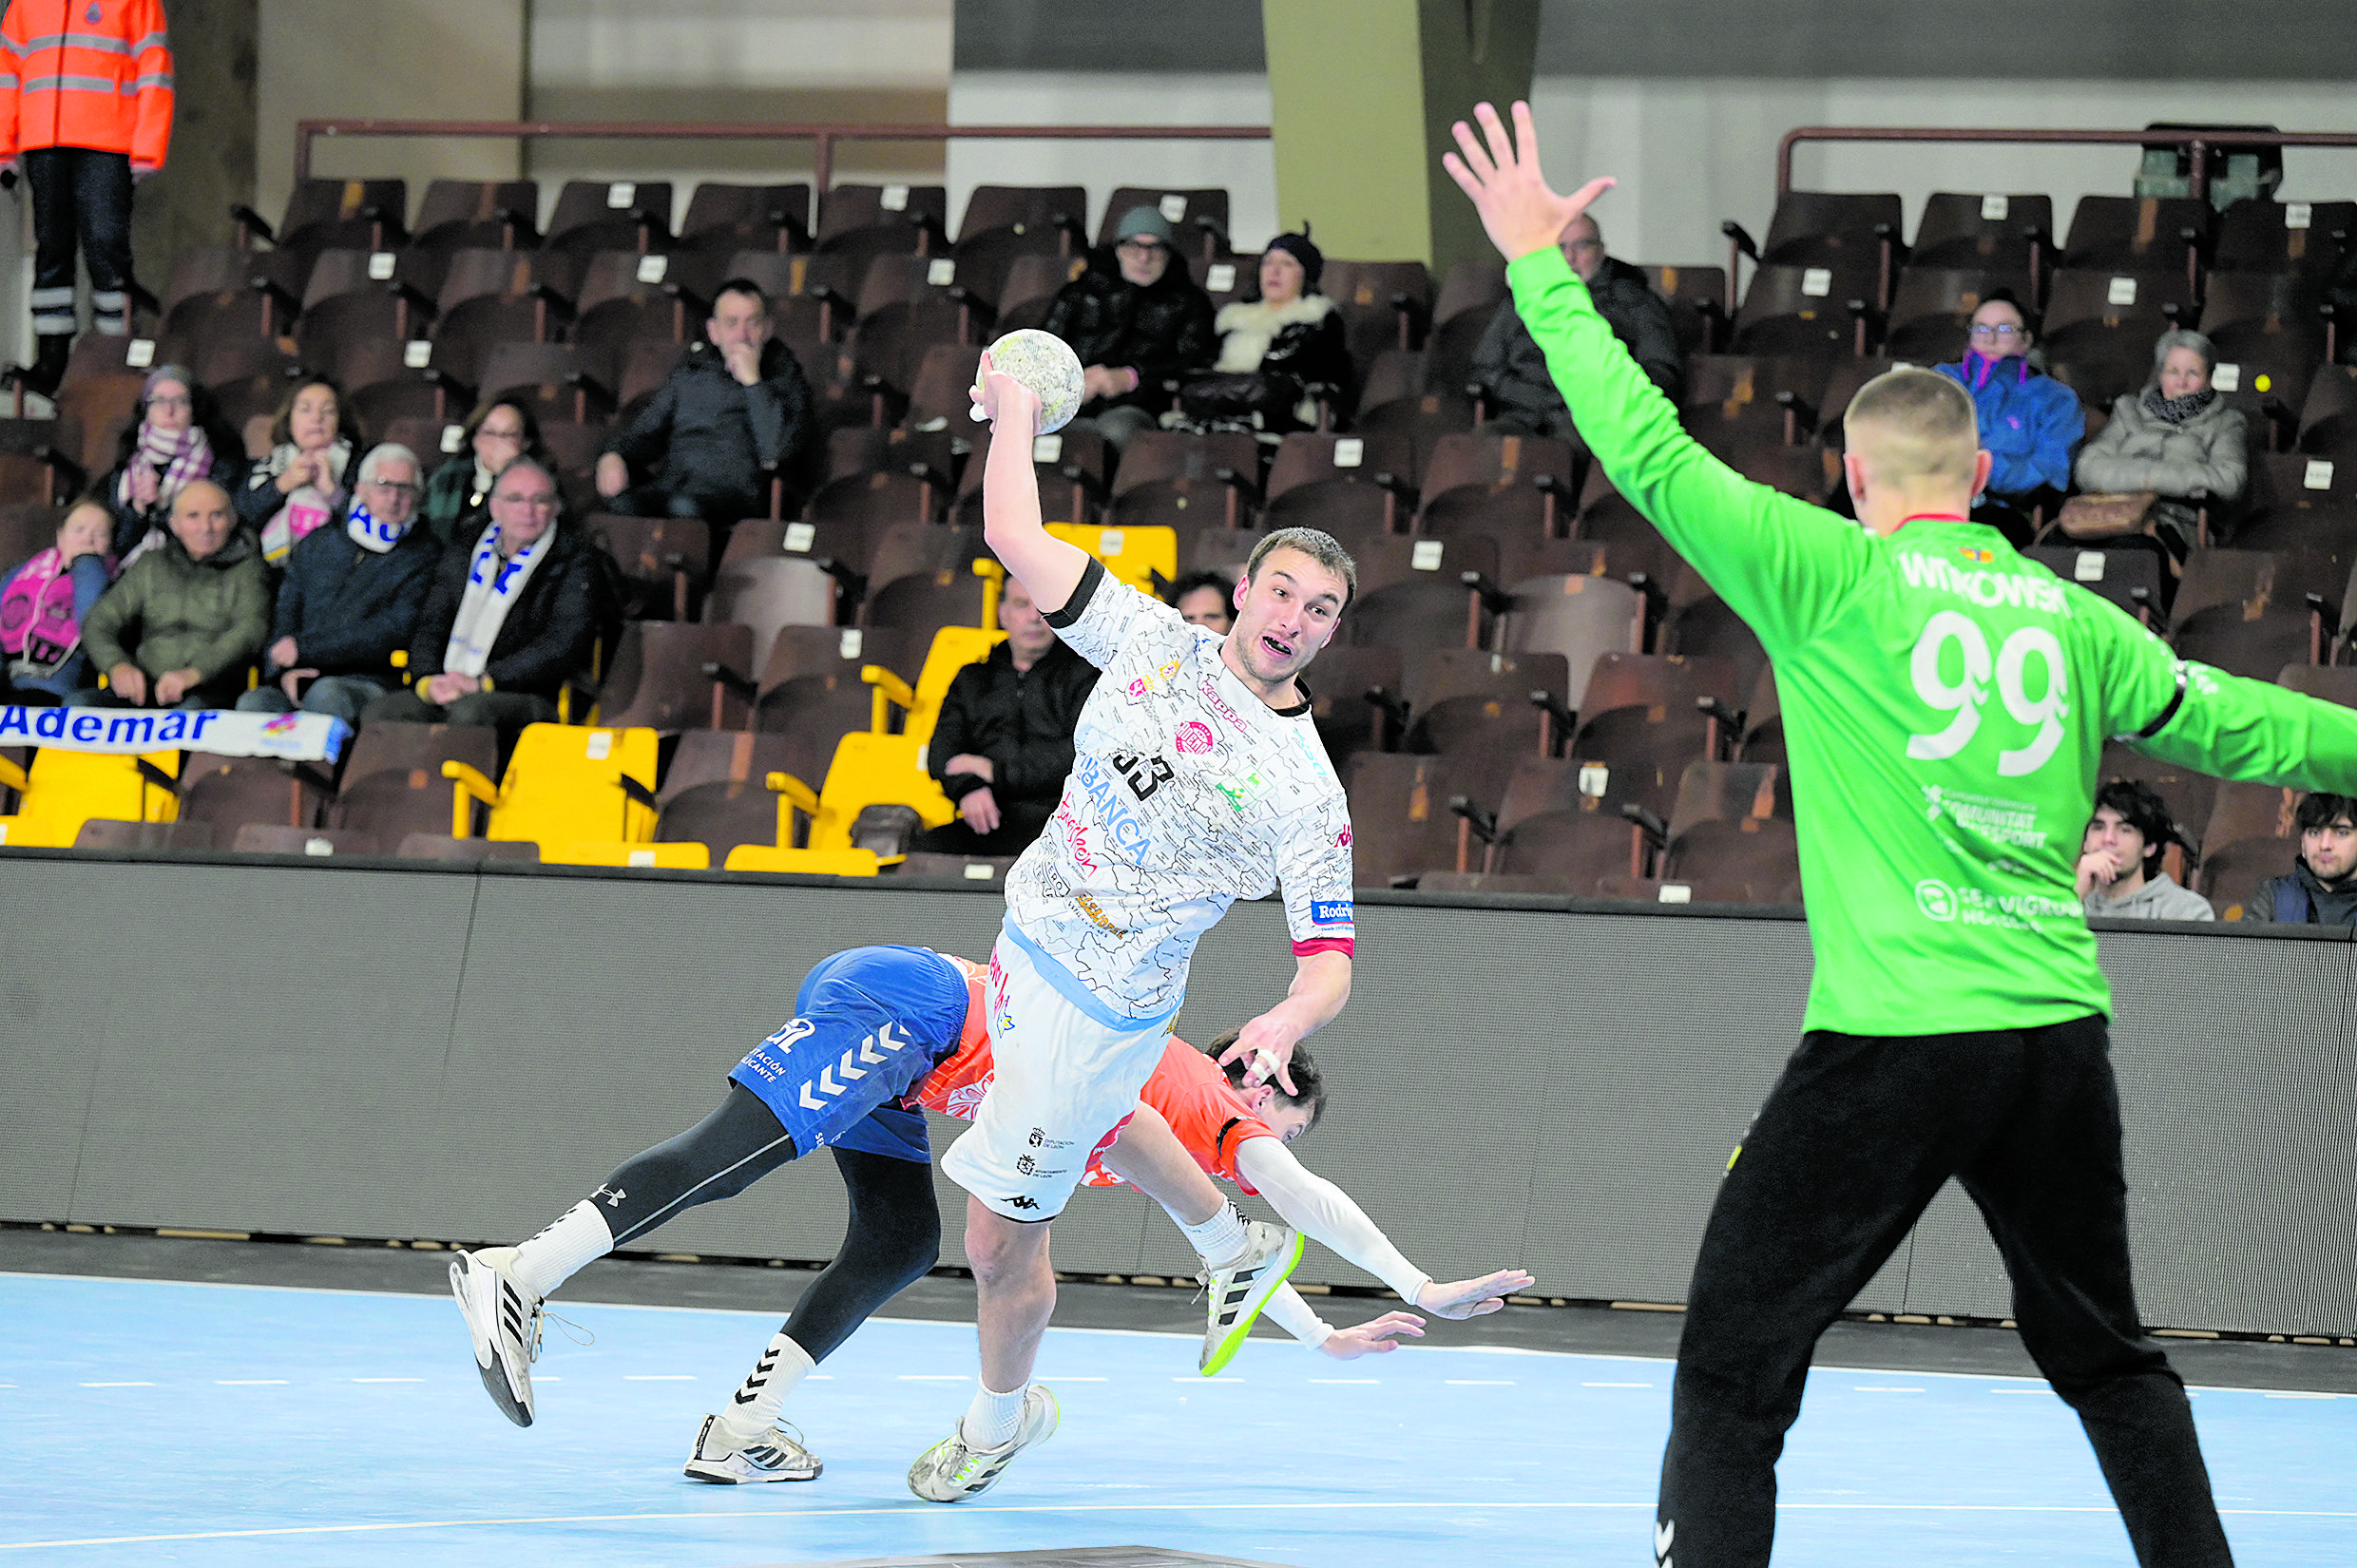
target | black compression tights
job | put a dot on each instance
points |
(891, 1238)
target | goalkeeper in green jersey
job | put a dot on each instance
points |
(1944, 703)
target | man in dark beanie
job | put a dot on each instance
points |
(1276, 348)
(1137, 320)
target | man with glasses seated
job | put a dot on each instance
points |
(2030, 422)
(1512, 373)
(1137, 320)
(351, 597)
(512, 616)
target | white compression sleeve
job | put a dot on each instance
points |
(1319, 1208)
(1289, 1312)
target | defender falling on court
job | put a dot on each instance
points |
(1945, 704)
(1198, 779)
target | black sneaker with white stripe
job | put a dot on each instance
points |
(504, 1320)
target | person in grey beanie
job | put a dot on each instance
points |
(1138, 323)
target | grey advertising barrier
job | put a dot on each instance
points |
(391, 1049)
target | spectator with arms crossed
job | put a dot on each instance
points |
(2120, 874)
(1945, 704)
(2321, 888)
(1004, 741)
(1136, 319)
(1199, 778)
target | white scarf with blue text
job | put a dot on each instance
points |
(371, 532)
(495, 583)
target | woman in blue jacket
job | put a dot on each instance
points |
(2030, 422)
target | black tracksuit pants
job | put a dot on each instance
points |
(1854, 1141)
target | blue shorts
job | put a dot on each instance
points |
(869, 1025)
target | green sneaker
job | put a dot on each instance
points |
(1240, 1288)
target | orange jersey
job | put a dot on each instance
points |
(955, 1087)
(85, 73)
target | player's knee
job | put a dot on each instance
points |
(1001, 1252)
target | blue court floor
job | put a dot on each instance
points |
(145, 1422)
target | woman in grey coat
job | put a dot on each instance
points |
(2178, 437)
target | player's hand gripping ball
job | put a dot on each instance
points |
(1046, 364)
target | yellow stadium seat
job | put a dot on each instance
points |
(682, 856)
(954, 647)
(868, 770)
(62, 790)
(1137, 556)
(762, 857)
(565, 784)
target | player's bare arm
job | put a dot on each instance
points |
(1321, 986)
(1520, 213)
(1047, 567)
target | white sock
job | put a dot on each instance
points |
(753, 1409)
(992, 1420)
(1221, 1239)
(575, 1239)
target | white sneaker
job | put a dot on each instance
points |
(951, 1471)
(775, 1455)
(505, 1320)
(1240, 1288)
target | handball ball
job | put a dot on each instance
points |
(1046, 364)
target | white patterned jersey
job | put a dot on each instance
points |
(1187, 792)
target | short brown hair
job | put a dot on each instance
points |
(1318, 546)
(1923, 424)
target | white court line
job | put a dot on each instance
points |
(118, 1385)
(1116, 1333)
(658, 1377)
(908, 1510)
(249, 1383)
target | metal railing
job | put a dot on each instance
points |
(2196, 145)
(825, 137)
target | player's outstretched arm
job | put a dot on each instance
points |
(1321, 986)
(1047, 567)
(2250, 730)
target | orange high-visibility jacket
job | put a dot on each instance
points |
(85, 73)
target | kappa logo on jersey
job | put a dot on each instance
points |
(876, 1049)
(1209, 691)
(1329, 911)
(1194, 737)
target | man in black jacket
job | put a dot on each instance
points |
(1137, 320)
(352, 594)
(511, 618)
(735, 409)
(1508, 366)
(2321, 888)
(1003, 742)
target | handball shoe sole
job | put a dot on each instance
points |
(503, 1319)
(951, 1471)
(1240, 1288)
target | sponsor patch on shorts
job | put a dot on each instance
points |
(1329, 911)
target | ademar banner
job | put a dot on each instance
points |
(296, 737)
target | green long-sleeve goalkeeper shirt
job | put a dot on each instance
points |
(1945, 705)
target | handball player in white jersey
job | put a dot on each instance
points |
(1198, 779)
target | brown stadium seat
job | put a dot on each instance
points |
(1932, 308)
(2329, 419)
(2190, 797)
(1169, 477)
(622, 214)
(1578, 616)
(1820, 308)
(1400, 822)
(393, 805)
(1665, 686)
(266, 838)
(2250, 811)
(624, 299)
(1471, 290)
(470, 214)
(1463, 699)
(798, 651)
(1763, 723)
(2328, 683)
(1032, 285)
(714, 793)
(1051, 207)
(656, 679)
(1536, 477)
(2261, 235)
(972, 869)
(2159, 234)
(365, 214)
(2244, 311)
(1576, 851)
(1697, 301)
(942, 386)
(664, 560)
(1384, 304)
(768, 594)
(814, 712)
(2240, 642)
(2314, 551)
(727, 219)
(1344, 484)
(2231, 875)
(2102, 370)
(920, 603)
(1349, 719)
(2135, 578)
(26, 527)
(1070, 464)
(1201, 219)
(551, 378)
(859, 221)
(391, 746)
(100, 833)
(103, 408)
(1751, 860)
(1970, 229)
(1785, 391)
(2094, 313)
(1820, 225)
(2253, 580)
(230, 791)
(1710, 627)
(2268, 377)
(381, 385)
(1412, 593)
